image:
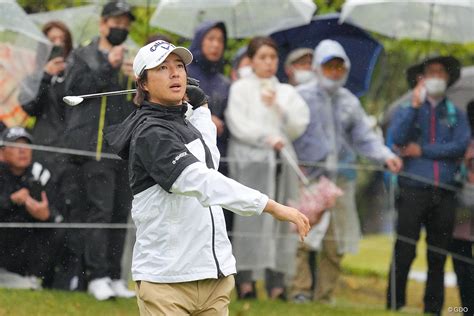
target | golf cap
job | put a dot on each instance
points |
(117, 8)
(155, 53)
(12, 134)
(297, 54)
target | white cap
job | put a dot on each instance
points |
(155, 53)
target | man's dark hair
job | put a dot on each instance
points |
(258, 42)
(141, 94)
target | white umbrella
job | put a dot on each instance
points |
(461, 93)
(242, 18)
(82, 22)
(23, 50)
(448, 21)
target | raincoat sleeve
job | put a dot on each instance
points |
(201, 119)
(454, 148)
(211, 188)
(295, 114)
(238, 114)
(365, 139)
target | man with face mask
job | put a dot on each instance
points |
(338, 129)
(298, 66)
(431, 135)
(103, 194)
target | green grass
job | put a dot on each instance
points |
(361, 291)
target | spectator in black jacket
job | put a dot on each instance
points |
(100, 67)
(26, 196)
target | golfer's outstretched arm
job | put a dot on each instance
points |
(212, 188)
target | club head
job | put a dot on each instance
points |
(72, 100)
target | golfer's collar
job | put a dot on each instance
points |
(178, 109)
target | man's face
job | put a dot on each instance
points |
(436, 70)
(166, 83)
(16, 157)
(304, 63)
(334, 69)
(120, 22)
(212, 45)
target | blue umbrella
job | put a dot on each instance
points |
(362, 49)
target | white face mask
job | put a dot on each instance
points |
(303, 76)
(244, 71)
(435, 87)
(330, 85)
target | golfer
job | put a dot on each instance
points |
(182, 258)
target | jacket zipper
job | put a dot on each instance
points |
(219, 272)
(432, 141)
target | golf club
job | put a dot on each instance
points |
(74, 100)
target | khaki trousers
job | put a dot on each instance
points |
(329, 267)
(203, 297)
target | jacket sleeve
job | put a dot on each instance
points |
(403, 124)
(163, 155)
(365, 139)
(238, 118)
(201, 119)
(81, 79)
(35, 107)
(212, 188)
(458, 144)
(296, 115)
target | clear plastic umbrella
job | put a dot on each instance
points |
(243, 18)
(82, 21)
(23, 50)
(447, 21)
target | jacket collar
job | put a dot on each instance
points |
(178, 110)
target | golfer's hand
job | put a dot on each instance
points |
(55, 66)
(115, 56)
(289, 214)
(194, 94)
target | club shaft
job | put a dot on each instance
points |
(103, 94)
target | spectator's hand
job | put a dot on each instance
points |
(38, 209)
(115, 56)
(289, 214)
(276, 142)
(127, 68)
(19, 197)
(268, 97)
(411, 150)
(394, 164)
(55, 66)
(419, 94)
(219, 124)
(194, 94)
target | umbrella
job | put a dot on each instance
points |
(448, 21)
(361, 48)
(243, 18)
(23, 51)
(82, 22)
(461, 93)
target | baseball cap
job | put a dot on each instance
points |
(296, 54)
(12, 134)
(117, 8)
(155, 53)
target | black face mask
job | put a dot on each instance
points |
(117, 36)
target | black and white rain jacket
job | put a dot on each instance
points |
(178, 194)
